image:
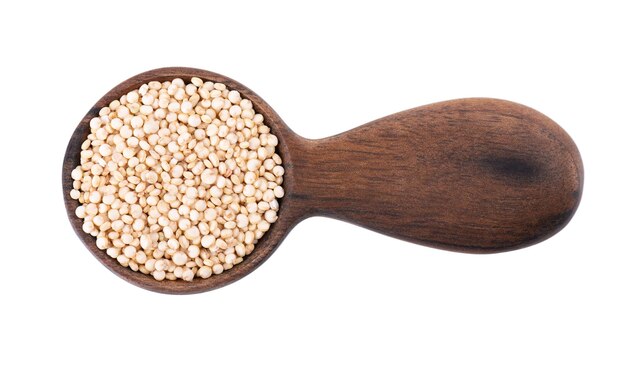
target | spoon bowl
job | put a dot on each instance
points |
(264, 247)
(471, 175)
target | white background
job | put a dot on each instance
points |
(334, 296)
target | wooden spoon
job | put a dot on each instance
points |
(470, 175)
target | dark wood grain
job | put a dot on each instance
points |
(471, 175)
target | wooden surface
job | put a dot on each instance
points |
(471, 175)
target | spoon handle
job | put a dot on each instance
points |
(470, 175)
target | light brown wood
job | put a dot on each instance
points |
(471, 175)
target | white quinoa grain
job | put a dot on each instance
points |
(204, 272)
(217, 268)
(179, 258)
(158, 275)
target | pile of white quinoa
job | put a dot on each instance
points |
(178, 180)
